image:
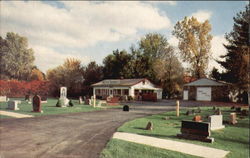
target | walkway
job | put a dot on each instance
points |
(14, 114)
(187, 148)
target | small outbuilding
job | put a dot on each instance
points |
(125, 87)
(205, 89)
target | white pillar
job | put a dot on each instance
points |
(131, 92)
(94, 100)
(177, 108)
(94, 91)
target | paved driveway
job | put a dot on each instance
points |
(71, 135)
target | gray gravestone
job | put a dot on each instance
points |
(195, 131)
(233, 118)
(37, 103)
(13, 105)
(216, 122)
(149, 126)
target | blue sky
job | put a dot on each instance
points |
(90, 31)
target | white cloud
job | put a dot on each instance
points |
(172, 3)
(217, 50)
(81, 24)
(202, 15)
(173, 41)
(48, 58)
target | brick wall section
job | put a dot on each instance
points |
(220, 93)
(191, 92)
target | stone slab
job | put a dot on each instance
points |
(13, 114)
(187, 148)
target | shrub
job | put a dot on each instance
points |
(71, 103)
(59, 103)
(15, 88)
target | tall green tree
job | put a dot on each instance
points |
(236, 61)
(116, 64)
(70, 74)
(16, 58)
(152, 47)
(194, 43)
(93, 73)
(169, 71)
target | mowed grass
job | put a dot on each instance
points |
(48, 108)
(123, 149)
(233, 138)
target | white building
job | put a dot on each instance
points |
(122, 87)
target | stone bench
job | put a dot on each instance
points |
(195, 131)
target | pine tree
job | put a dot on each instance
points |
(236, 61)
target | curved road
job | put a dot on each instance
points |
(77, 135)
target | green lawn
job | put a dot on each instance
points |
(234, 138)
(48, 108)
(4, 116)
(123, 149)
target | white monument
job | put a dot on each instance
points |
(3, 99)
(63, 96)
(13, 105)
(216, 122)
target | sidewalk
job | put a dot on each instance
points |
(187, 148)
(13, 114)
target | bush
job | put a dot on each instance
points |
(15, 88)
(130, 98)
(59, 103)
(71, 103)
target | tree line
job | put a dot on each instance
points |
(152, 57)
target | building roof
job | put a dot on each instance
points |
(118, 82)
(205, 82)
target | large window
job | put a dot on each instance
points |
(125, 91)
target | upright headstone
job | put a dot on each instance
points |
(196, 131)
(244, 112)
(149, 126)
(3, 98)
(177, 108)
(217, 111)
(197, 118)
(233, 118)
(27, 97)
(13, 105)
(188, 112)
(37, 103)
(63, 97)
(44, 99)
(125, 108)
(238, 109)
(216, 122)
(198, 110)
(80, 100)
